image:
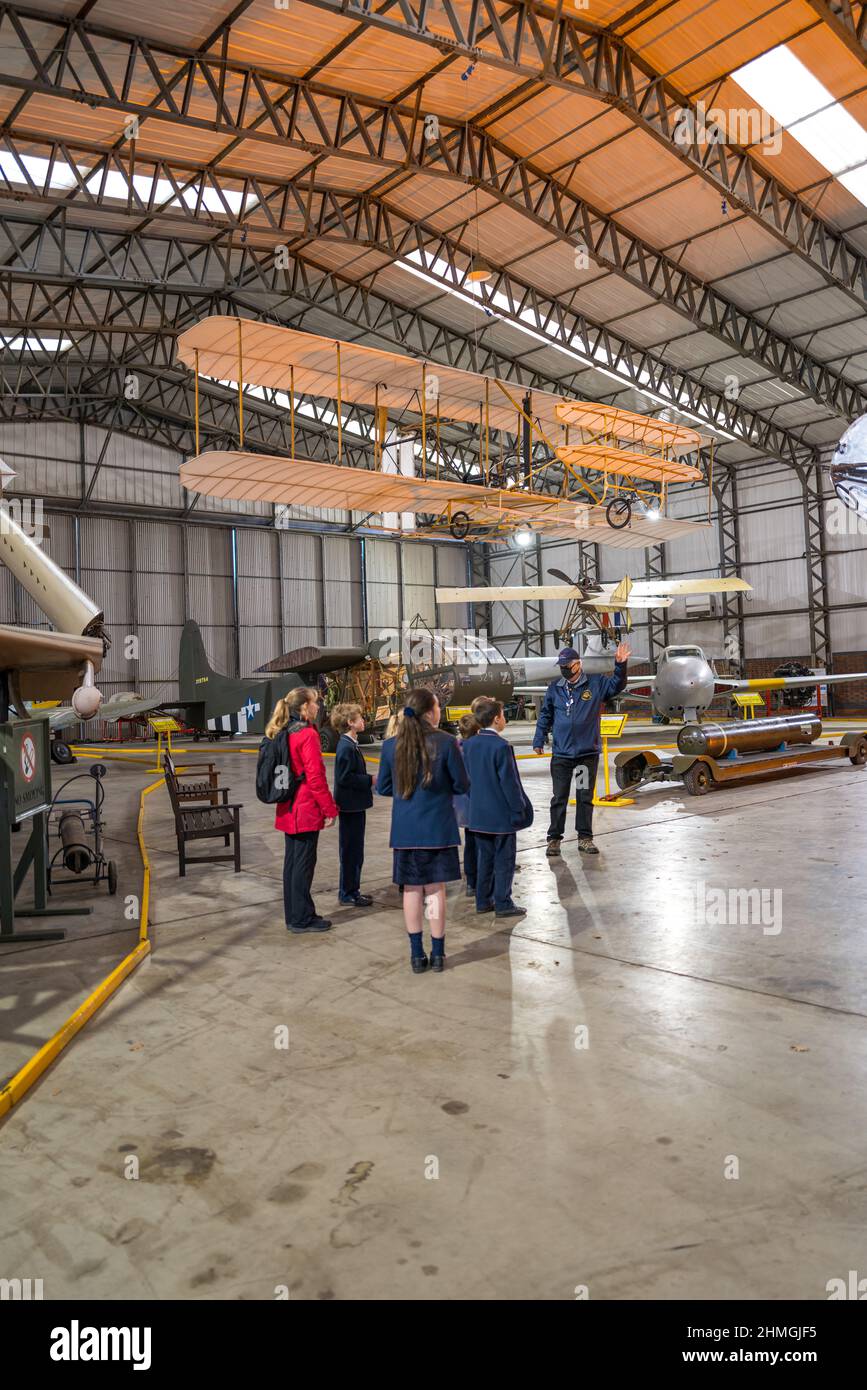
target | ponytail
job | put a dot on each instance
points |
(288, 709)
(411, 754)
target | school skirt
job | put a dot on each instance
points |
(421, 866)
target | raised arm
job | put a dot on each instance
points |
(614, 684)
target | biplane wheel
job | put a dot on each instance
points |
(858, 752)
(460, 526)
(61, 752)
(618, 513)
(698, 779)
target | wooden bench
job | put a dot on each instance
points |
(207, 786)
(214, 818)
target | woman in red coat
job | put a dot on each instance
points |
(312, 810)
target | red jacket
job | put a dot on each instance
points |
(313, 804)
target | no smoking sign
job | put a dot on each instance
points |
(28, 758)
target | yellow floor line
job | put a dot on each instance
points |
(21, 1082)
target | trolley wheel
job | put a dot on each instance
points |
(112, 877)
(628, 774)
(61, 752)
(858, 752)
(698, 779)
(618, 512)
(460, 525)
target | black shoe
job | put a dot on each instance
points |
(489, 907)
(317, 924)
(553, 849)
(587, 846)
(357, 900)
(513, 910)
(438, 962)
(419, 964)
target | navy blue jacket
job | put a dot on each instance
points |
(573, 710)
(425, 820)
(352, 781)
(498, 805)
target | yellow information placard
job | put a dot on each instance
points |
(168, 725)
(749, 699)
(612, 725)
(165, 725)
(456, 712)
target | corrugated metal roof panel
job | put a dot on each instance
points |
(694, 45)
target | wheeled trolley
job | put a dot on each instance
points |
(78, 824)
(701, 773)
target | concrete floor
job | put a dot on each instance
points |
(558, 1166)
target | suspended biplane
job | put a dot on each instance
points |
(596, 473)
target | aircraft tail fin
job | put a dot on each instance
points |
(193, 664)
(621, 592)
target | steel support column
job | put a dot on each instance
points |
(728, 529)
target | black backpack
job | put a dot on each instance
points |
(275, 778)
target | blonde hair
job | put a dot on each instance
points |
(289, 709)
(394, 722)
(342, 716)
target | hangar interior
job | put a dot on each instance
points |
(654, 206)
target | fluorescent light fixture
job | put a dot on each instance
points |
(114, 184)
(47, 344)
(798, 101)
(471, 294)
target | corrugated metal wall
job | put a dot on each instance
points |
(255, 591)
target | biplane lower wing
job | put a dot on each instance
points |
(247, 477)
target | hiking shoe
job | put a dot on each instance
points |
(553, 849)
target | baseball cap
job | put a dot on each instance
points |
(567, 656)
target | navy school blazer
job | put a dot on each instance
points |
(498, 803)
(425, 820)
(352, 781)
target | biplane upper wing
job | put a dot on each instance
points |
(266, 354)
(302, 482)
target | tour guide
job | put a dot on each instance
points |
(572, 707)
